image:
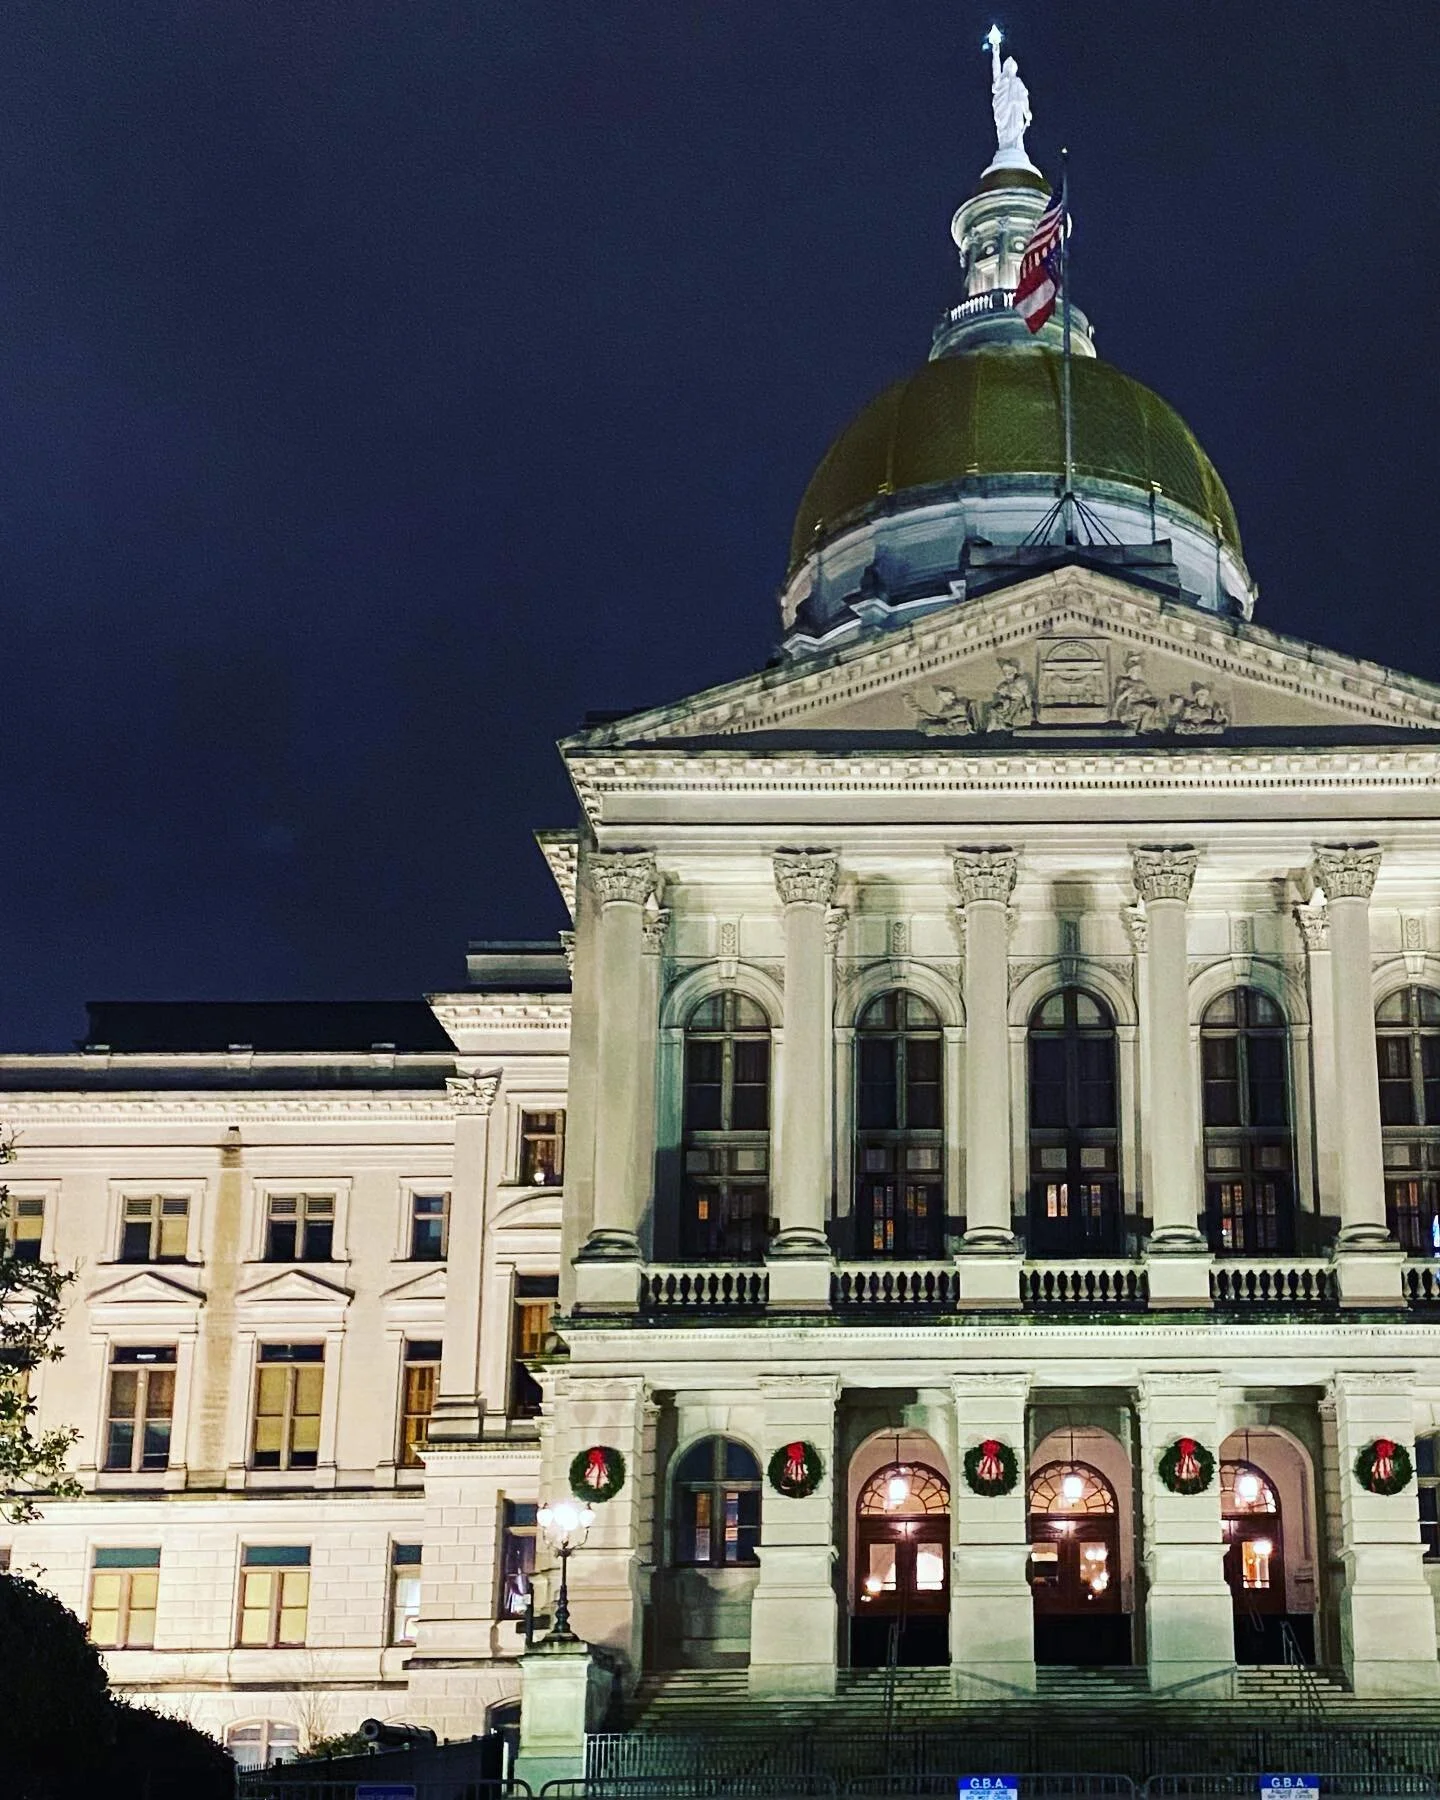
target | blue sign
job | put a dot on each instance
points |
(385, 1790)
(1290, 1787)
(989, 1787)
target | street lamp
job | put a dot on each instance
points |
(565, 1525)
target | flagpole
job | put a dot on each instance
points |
(1069, 495)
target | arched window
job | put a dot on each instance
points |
(726, 1202)
(717, 1505)
(899, 1135)
(1074, 1161)
(1407, 1045)
(1249, 1146)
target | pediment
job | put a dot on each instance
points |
(427, 1287)
(1068, 656)
(294, 1286)
(147, 1287)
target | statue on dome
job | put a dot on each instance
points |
(1010, 102)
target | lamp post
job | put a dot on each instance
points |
(565, 1525)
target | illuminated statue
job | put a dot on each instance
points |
(1010, 102)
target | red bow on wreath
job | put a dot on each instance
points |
(1187, 1464)
(989, 1467)
(597, 1468)
(1384, 1466)
(796, 1468)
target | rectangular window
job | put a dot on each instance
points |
(300, 1228)
(420, 1381)
(404, 1592)
(274, 1597)
(535, 1298)
(1427, 1468)
(429, 1227)
(288, 1387)
(24, 1225)
(542, 1148)
(517, 1556)
(155, 1228)
(141, 1408)
(124, 1591)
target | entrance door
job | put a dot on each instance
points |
(1255, 1565)
(901, 1600)
(1075, 1567)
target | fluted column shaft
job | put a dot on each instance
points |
(459, 1412)
(623, 881)
(1163, 879)
(806, 882)
(985, 880)
(1347, 874)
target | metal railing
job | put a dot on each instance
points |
(290, 1781)
(917, 1287)
(1295, 1282)
(732, 1288)
(1084, 1286)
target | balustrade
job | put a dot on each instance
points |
(1293, 1283)
(1421, 1279)
(702, 1290)
(1082, 1286)
(932, 1287)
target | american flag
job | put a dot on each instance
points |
(1039, 285)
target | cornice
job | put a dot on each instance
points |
(561, 850)
(219, 1107)
(1063, 599)
(461, 1015)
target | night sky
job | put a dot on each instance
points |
(383, 383)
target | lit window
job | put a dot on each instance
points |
(717, 1505)
(288, 1388)
(264, 1741)
(535, 1297)
(517, 1557)
(429, 1227)
(24, 1225)
(404, 1592)
(1407, 1047)
(419, 1385)
(899, 1143)
(274, 1597)
(155, 1228)
(726, 1153)
(124, 1592)
(141, 1409)
(300, 1228)
(542, 1148)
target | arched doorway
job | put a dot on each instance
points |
(1075, 1567)
(1255, 1566)
(901, 1598)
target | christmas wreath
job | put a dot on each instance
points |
(1384, 1467)
(1187, 1467)
(991, 1468)
(796, 1470)
(597, 1473)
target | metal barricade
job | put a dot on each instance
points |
(1375, 1784)
(714, 1785)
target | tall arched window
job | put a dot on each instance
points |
(726, 1201)
(1249, 1146)
(1407, 1045)
(899, 1135)
(1075, 1205)
(717, 1505)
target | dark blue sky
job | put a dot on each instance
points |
(385, 382)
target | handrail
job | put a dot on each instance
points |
(1312, 1702)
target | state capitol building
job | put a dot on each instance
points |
(964, 1193)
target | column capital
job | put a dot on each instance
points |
(1314, 923)
(628, 875)
(1164, 871)
(1347, 871)
(471, 1092)
(655, 929)
(998, 1388)
(807, 877)
(985, 874)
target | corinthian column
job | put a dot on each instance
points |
(1346, 873)
(459, 1413)
(985, 880)
(1163, 879)
(623, 881)
(806, 882)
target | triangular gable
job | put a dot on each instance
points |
(427, 1287)
(147, 1287)
(1069, 652)
(292, 1286)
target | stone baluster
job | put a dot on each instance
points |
(985, 880)
(622, 881)
(806, 881)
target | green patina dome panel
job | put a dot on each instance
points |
(997, 411)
